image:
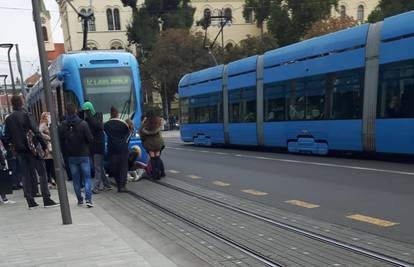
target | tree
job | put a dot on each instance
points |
(251, 46)
(157, 15)
(260, 9)
(289, 20)
(387, 8)
(132, 4)
(177, 52)
(323, 27)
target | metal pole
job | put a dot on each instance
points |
(19, 66)
(85, 33)
(5, 92)
(11, 71)
(63, 194)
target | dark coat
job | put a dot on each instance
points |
(151, 140)
(118, 134)
(97, 128)
(6, 180)
(17, 125)
(84, 139)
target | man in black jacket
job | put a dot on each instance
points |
(77, 137)
(119, 133)
(17, 126)
(95, 122)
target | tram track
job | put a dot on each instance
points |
(215, 234)
(394, 261)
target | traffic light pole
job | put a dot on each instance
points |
(63, 194)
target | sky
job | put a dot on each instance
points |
(17, 26)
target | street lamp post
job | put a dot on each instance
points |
(5, 90)
(19, 66)
(10, 46)
(63, 194)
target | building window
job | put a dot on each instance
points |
(117, 20)
(92, 46)
(342, 11)
(45, 36)
(117, 46)
(91, 22)
(110, 19)
(249, 17)
(228, 13)
(360, 13)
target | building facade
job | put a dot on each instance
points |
(358, 9)
(107, 31)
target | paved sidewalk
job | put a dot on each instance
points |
(38, 238)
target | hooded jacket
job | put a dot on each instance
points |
(151, 140)
(118, 134)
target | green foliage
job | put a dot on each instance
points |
(176, 52)
(131, 3)
(387, 8)
(260, 9)
(289, 20)
(251, 46)
(145, 26)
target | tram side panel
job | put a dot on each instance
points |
(395, 114)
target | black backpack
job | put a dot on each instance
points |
(73, 135)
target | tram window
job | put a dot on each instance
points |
(275, 102)
(205, 108)
(297, 101)
(184, 110)
(242, 105)
(396, 90)
(347, 95)
(315, 99)
(70, 97)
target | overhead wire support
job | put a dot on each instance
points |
(85, 18)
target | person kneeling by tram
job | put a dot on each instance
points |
(136, 168)
(152, 141)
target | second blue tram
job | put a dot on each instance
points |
(351, 90)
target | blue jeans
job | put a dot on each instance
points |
(77, 166)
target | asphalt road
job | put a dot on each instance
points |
(379, 193)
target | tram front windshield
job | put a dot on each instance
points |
(107, 87)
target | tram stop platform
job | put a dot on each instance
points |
(38, 238)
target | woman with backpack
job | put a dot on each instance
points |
(45, 131)
(152, 141)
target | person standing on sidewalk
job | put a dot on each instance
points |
(119, 133)
(18, 125)
(77, 137)
(6, 180)
(45, 131)
(95, 122)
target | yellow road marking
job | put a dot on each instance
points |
(254, 192)
(302, 204)
(194, 177)
(220, 183)
(173, 171)
(371, 220)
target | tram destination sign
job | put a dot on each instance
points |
(107, 81)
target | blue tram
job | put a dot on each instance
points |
(352, 90)
(104, 78)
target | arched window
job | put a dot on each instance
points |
(249, 17)
(91, 22)
(92, 46)
(207, 12)
(117, 20)
(45, 36)
(342, 11)
(228, 13)
(110, 19)
(360, 13)
(117, 46)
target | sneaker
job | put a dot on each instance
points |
(107, 188)
(80, 202)
(8, 201)
(95, 191)
(49, 203)
(89, 204)
(32, 204)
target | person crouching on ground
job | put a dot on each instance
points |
(136, 168)
(77, 137)
(119, 134)
(152, 141)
